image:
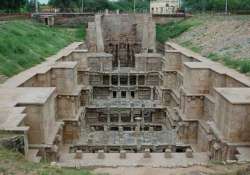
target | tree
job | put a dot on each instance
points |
(12, 5)
(64, 5)
(31, 6)
(99, 5)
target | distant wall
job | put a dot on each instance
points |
(75, 19)
(163, 19)
(14, 16)
(67, 19)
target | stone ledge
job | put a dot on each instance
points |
(133, 160)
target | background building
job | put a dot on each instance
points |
(164, 6)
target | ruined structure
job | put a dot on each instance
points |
(114, 98)
(164, 7)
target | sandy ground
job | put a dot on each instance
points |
(194, 170)
(224, 35)
(197, 170)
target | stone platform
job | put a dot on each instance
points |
(133, 160)
(115, 138)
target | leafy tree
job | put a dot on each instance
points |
(12, 5)
(99, 5)
(31, 5)
(64, 5)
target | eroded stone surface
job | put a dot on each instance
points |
(115, 93)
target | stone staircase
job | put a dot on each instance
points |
(32, 155)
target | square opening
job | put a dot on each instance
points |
(127, 128)
(114, 128)
(146, 128)
(114, 118)
(114, 94)
(123, 94)
(180, 150)
(132, 80)
(132, 93)
(148, 119)
(114, 80)
(102, 118)
(125, 118)
(150, 51)
(105, 79)
(157, 128)
(124, 80)
(141, 80)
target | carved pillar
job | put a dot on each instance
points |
(119, 117)
(132, 115)
(152, 94)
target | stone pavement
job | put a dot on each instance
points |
(133, 160)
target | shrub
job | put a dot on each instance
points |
(245, 66)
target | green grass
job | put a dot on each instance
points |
(24, 44)
(242, 65)
(12, 162)
(191, 46)
(173, 29)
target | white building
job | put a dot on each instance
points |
(164, 6)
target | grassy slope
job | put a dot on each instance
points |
(14, 163)
(184, 33)
(164, 32)
(24, 44)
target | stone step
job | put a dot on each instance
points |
(244, 154)
(32, 155)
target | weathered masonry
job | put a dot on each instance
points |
(114, 94)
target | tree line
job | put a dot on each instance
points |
(75, 5)
(14, 6)
(99, 5)
(122, 5)
(143, 5)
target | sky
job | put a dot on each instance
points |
(43, 1)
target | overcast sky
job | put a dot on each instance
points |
(43, 1)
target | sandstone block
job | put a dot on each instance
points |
(147, 153)
(189, 153)
(101, 154)
(123, 154)
(168, 153)
(78, 154)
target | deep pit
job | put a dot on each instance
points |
(115, 95)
